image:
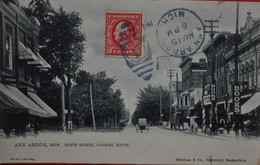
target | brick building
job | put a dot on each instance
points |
(192, 77)
(20, 64)
(248, 70)
(224, 72)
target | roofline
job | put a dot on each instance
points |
(214, 39)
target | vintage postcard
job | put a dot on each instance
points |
(130, 82)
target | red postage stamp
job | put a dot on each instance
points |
(124, 34)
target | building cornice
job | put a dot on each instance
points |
(208, 44)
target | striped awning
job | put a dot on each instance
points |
(14, 100)
(175, 104)
(35, 62)
(251, 104)
(42, 104)
(33, 59)
(24, 53)
(45, 65)
(8, 105)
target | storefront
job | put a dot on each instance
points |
(18, 110)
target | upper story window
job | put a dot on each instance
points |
(9, 48)
(186, 100)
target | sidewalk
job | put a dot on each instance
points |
(223, 136)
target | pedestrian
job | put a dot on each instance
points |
(195, 128)
(243, 130)
(212, 129)
(236, 129)
(228, 126)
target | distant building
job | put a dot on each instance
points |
(20, 64)
(192, 80)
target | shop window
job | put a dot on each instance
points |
(22, 69)
(8, 51)
(31, 73)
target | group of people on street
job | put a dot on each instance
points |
(241, 128)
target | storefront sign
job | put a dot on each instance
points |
(212, 92)
(206, 100)
(236, 98)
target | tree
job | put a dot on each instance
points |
(107, 102)
(61, 42)
(148, 104)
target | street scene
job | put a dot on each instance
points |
(178, 84)
(159, 146)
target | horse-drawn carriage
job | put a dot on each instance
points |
(251, 128)
(142, 125)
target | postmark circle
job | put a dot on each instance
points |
(180, 32)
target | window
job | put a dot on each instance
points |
(243, 76)
(8, 51)
(252, 77)
(22, 69)
(249, 78)
(186, 100)
(31, 74)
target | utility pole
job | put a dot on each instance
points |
(236, 87)
(212, 32)
(92, 109)
(177, 96)
(62, 108)
(170, 74)
(160, 107)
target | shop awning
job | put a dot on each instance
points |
(8, 105)
(24, 53)
(37, 61)
(175, 104)
(251, 104)
(14, 99)
(42, 104)
(45, 65)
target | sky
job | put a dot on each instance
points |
(94, 24)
